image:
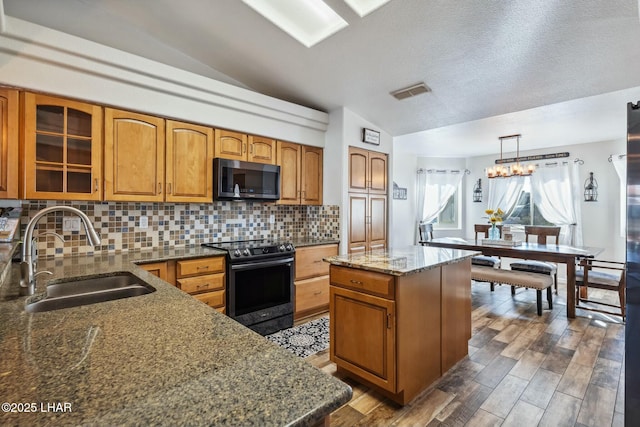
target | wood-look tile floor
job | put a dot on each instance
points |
(522, 369)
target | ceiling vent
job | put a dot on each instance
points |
(410, 91)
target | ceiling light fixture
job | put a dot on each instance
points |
(365, 7)
(501, 171)
(308, 21)
(410, 91)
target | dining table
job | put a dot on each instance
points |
(561, 254)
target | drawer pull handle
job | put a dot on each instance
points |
(317, 261)
(203, 267)
(317, 293)
(206, 285)
(357, 282)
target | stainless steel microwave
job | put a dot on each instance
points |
(238, 180)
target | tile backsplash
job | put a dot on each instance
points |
(179, 225)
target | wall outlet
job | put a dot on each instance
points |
(272, 219)
(70, 223)
(144, 222)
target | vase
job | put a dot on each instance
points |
(494, 233)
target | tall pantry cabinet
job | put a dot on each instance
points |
(367, 200)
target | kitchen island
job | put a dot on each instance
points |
(157, 359)
(400, 318)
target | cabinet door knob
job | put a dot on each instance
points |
(96, 184)
(159, 187)
(169, 188)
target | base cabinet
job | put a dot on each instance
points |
(363, 336)
(204, 278)
(399, 334)
(312, 279)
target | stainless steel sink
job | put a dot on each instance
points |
(90, 290)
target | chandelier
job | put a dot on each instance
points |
(517, 169)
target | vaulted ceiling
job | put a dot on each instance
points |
(494, 66)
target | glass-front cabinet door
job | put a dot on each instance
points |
(63, 149)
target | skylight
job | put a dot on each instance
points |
(308, 21)
(365, 7)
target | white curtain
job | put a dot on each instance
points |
(620, 164)
(557, 192)
(435, 187)
(504, 192)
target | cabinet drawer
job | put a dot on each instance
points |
(312, 293)
(212, 299)
(194, 267)
(197, 284)
(309, 260)
(364, 281)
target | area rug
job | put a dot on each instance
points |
(306, 339)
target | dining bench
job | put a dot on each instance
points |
(514, 278)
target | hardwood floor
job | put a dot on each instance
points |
(522, 370)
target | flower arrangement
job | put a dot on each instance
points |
(495, 216)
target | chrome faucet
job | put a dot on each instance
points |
(27, 266)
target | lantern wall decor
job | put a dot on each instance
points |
(591, 189)
(477, 191)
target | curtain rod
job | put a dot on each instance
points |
(421, 170)
(620, 156)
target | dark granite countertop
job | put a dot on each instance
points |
(158, 359)
(401, 261)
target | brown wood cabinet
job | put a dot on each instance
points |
(9, 143)
(312, 279)
(367, 171)
(158, 269)
(134, 156)
(189, 167)
(399, 334)
(204, 278)
(367, 222)
(367, 200)
(62, 149)
(239, 146)
(300, 174)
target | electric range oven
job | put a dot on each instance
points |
(259, 283)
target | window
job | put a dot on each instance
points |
(525, 212)
(448, 218)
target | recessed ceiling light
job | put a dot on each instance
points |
(308, 21)
(365, 7)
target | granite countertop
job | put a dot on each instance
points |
(163, 359)
(401, 261)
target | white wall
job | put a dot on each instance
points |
(345, 130)
(41, 59)
(600, 220)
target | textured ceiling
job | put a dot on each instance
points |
(481, 58)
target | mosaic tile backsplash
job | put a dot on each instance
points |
(179, 225)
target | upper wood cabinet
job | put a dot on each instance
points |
(240, 146)
(62, 146)
(262, 150)
(134, 156)
(300, 174)
(367, 171)
(189, 168)
(8, 143)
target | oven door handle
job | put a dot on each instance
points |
(259, 264)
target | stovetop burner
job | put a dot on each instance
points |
(242, 250)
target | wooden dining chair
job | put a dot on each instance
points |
(426, 231)
(601, 274)
(485, 260)
(542, 233)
